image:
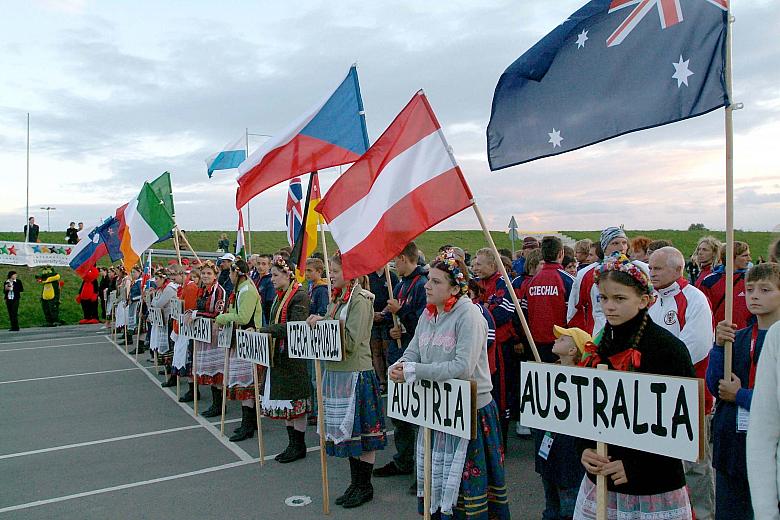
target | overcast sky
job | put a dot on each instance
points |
(119, 92)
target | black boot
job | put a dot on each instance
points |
(190, 395)
(297, 450)
(353, 469)
(290, 441)
(170, 382)
(216, 403)
(246, 431)
(364, 491)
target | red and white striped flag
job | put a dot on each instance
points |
(406, 183)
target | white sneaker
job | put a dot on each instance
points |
(522, 431)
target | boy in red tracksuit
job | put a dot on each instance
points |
(545, 297)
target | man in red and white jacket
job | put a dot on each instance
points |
(584, 306)
(684, 310)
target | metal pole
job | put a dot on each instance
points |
(27, 223)
(727, 350)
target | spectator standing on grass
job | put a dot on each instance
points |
(31, 230)
(12, 293)
(72, 234)
(223, 244)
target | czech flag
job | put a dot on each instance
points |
(332, 133)
(87, 252)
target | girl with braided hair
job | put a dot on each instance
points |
(641, 485)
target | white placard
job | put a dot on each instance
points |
(225, 335)
(446, 406)
(156, 317)
(648, 412)
(111, 303)
(177, 309)
(198, 329)
(321, 342)
(253, 346)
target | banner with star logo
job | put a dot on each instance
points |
(34, 254)
(613, 67)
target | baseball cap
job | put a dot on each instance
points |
(579, 336)
(228, 256)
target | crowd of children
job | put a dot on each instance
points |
(625, 303)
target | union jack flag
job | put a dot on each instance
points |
(669, 11)
(293, 214)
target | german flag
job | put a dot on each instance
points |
(306, 243)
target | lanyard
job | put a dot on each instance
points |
(753, 364)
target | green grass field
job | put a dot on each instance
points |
(30, 313)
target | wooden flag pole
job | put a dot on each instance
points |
(260, 443)
(187, 243)
(225, 381)
(176, 242)
(195, 377)
(508, 282)
(729, 297)
(396, 321)
(427, 473)
(320, 400)
(601, 480)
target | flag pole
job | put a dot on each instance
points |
(727, 347)
(248, 214)
(507, 281)
(318, 379)
(27, 222)
(187, 243)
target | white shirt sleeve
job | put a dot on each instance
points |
(697, 334)
(764, 431)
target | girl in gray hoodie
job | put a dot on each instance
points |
(451, 343)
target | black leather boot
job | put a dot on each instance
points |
(353, 469)
(170, 382)
(296, 451)
(190, 395)
(290, 442)
(364, 491)
(216, 403)
(245, 431)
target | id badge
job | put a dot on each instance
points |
(743, 419)
(547, 442)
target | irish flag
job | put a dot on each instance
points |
(145, 219)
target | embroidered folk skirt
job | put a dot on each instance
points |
(672, 505)
(354, 413)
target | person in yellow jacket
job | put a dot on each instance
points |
(50, 296)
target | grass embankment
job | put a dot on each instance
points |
(31, 314)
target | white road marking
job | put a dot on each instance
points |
(68, 375)
(100, 441)
(232, 446)
(41, 340)
(52, 346)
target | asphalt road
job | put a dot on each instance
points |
(88, 433)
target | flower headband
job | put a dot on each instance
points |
(280, 263)
(208, 264)
(620, 262)
(449, 261)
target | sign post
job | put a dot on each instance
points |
(513, 234)
(323, 342)
(254, 347)
(446, 406)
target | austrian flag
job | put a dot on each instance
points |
(406, 183)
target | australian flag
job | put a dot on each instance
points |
(109, 233)
(613, 67)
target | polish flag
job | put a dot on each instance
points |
(406, 183)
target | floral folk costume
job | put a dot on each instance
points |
(209, 357)
(467, 475)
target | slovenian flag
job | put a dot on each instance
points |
(231, 156)
(145, 219)
(89, 249)
(332, 133)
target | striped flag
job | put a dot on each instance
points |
(292, 216)
(145, 219)
(406, 183)
(307, 241)
(240, 236)
(85, 254)
(231, 156)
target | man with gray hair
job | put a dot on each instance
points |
(683, 310)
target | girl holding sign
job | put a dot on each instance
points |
(210, 358)
(451, 343)
(287, 395)
(166, 291)
(354, 415)
(182, 350)
(640, 485)
(244, 312)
